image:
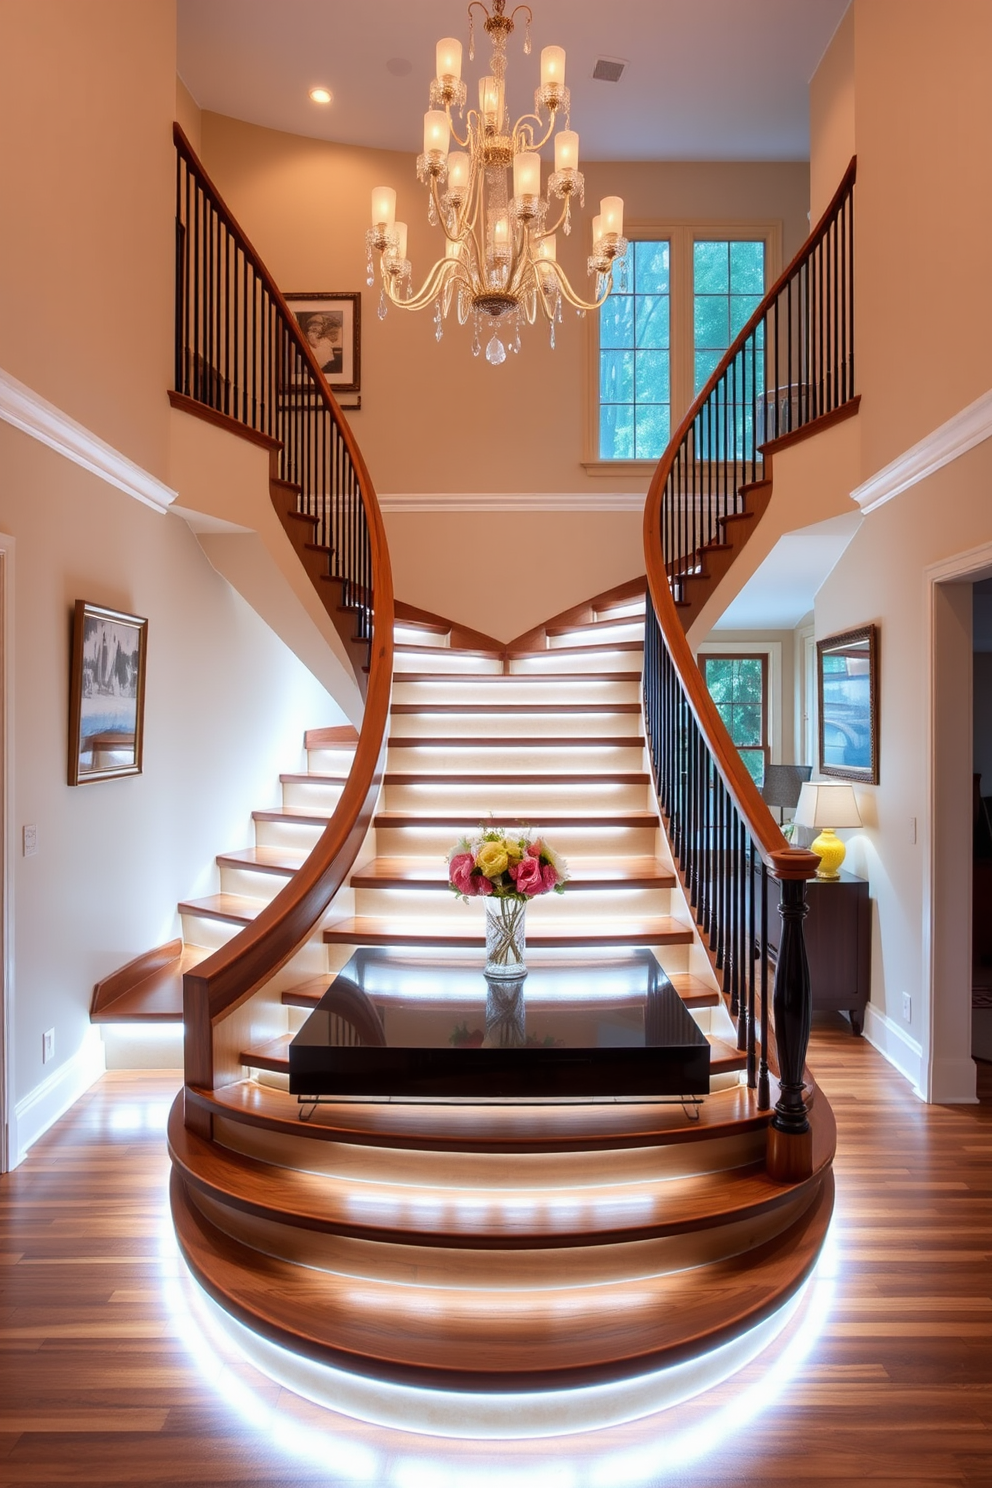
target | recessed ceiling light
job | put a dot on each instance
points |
(399, 66)
(321, 95)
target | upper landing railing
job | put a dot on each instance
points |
(240, 353)
(790, 369)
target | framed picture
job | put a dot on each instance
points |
(106, 693)
(332, 323)
(847, 689)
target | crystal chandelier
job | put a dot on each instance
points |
(500, 262)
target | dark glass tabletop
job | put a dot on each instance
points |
(414, 1023)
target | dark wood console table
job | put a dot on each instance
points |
(838, 945)
(580, 1025)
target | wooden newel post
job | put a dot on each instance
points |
(790, 1141)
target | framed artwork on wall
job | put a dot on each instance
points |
(106, 693)
(332, 324)
(847, 687)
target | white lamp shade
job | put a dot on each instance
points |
(459, 170)
(383, 206)
(553, 65)
(827, 806)
(449, 58)
(611, 211)
(566, 150)
(491, 101)
(437, 131)
(527, 174)
(547, 249)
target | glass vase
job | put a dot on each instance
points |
(506, 940)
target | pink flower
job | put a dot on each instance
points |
(460, 873)
(534, 849)
(550, 876)
(527, 877)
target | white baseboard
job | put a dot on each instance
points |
(953, 1082)
(903, 1052)
(53, 1096)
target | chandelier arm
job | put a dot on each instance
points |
(427, 291)
(575, 299)
(518, 127)
(466, 142)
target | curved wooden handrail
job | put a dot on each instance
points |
(785, 862)
(226, 979)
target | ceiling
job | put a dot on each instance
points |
(705, 79)
(782, 589)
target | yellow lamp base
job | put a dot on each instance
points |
(831, 852)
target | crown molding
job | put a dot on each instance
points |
(34, 415)
(953, 438)
(514, 501)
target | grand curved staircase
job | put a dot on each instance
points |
(506, 1268)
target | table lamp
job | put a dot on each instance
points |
(828, 807)
(782, 784)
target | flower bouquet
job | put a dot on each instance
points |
(507, 869)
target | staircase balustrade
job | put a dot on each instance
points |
(789, 371)
(241, 354)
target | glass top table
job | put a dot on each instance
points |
(597, 1024)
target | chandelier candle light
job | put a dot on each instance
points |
(507, 870)
(500, 261)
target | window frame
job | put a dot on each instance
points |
(681, 234)
(759, 655)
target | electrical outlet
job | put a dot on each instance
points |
(907, 1007)
(48, 1046)
(30, 840)
(912, 829)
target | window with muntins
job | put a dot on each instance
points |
(687, 295)
(739, 687)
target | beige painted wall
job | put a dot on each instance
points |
(831, 117)
(924, 215)
(87, 93)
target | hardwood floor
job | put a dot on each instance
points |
(99, 1384)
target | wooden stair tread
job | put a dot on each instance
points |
(590, 627)
(489, 1128)
(236, 909)
(563, 778)
(156, 998)
(512, 679)
(504, 741)
(526, 654)
(281, 860)
(308, 816)
(541, 1339)
(409, 648)
(587, 873)
(371, 930)
(313, 777)
(366, 1204)
(341, 734)
(549, 819)
(515, 708)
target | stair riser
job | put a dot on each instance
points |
(436, 842)
(481, 1285)
(507, 690)
(456, 725)
(576, 906)
(621, 612)
(330, 761)
(528, 802)
(200, 930)
(446, 662)
(311, 795)
(411, 635)
(651, 1162)
(605, 630)
(563, 757)
(242, 880)
(287, 834)
(561, 663)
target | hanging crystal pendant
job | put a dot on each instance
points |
(432, 217)
(515, 345)
(383, 304)
(527, 40)
(438, 322)
(476, 339)
(495, 351)
(369, 270)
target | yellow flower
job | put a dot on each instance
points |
(492, 859)
(514, 850)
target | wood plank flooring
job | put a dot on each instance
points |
(98, 1384)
